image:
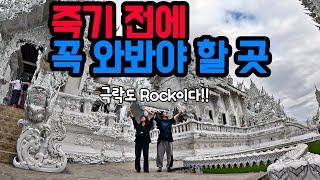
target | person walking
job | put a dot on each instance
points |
(165, 140)
(16, 84)
(142, 141)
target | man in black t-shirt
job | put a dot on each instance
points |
(165, 140)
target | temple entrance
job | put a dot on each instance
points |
(29, 57)
(22, 65)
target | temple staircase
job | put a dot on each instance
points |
(9, 132)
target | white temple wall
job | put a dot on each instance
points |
(237, 109)
(232, 111)
(85, 73)
(72, 86)
(38, 35)
(222, 105)
(4, 88)
(208, 109)
(215, 100)
(83, 146)
(10, 71)
(75, 85)
(228, 109)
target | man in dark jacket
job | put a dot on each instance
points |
(142, 141)
(16, 92)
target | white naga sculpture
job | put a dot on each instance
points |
(296, 164)
(38, 146)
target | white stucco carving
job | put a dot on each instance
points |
(39, 145)
(296, 164)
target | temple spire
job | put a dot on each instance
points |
(317, 93)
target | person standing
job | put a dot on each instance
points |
(25, 86)
(142, 141)
(165, 140)
(16, 84)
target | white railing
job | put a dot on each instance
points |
(73, 103)
(81, 106)
(237, 160)
(198, 126)
(77, 111)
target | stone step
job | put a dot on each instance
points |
(12, 121)
(12, 111)
(10, 117)
(9, 132)
(8, 121)
(6, 157)
(8, 138)
(8, 146)
(15, 131)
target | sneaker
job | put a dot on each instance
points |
(147, 171)
(138, 171)
(159, 169)
(169, 169)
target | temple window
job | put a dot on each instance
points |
(224, 120)
(210, 114)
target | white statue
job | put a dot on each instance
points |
(38, 146)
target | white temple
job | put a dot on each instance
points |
(238, 125)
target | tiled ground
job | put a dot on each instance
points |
(113, 171)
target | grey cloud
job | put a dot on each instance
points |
(295, 44)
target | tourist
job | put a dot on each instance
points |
(23, 96)
(165, 140)
(142, 141)
(15, 92)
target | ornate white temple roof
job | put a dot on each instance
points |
(9, 9)
(313, 6)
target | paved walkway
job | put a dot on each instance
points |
(113, 171)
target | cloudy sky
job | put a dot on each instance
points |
(295, 44)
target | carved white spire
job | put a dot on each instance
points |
(317, 92)
(9, 9)
(261, 106)
(313, 6)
